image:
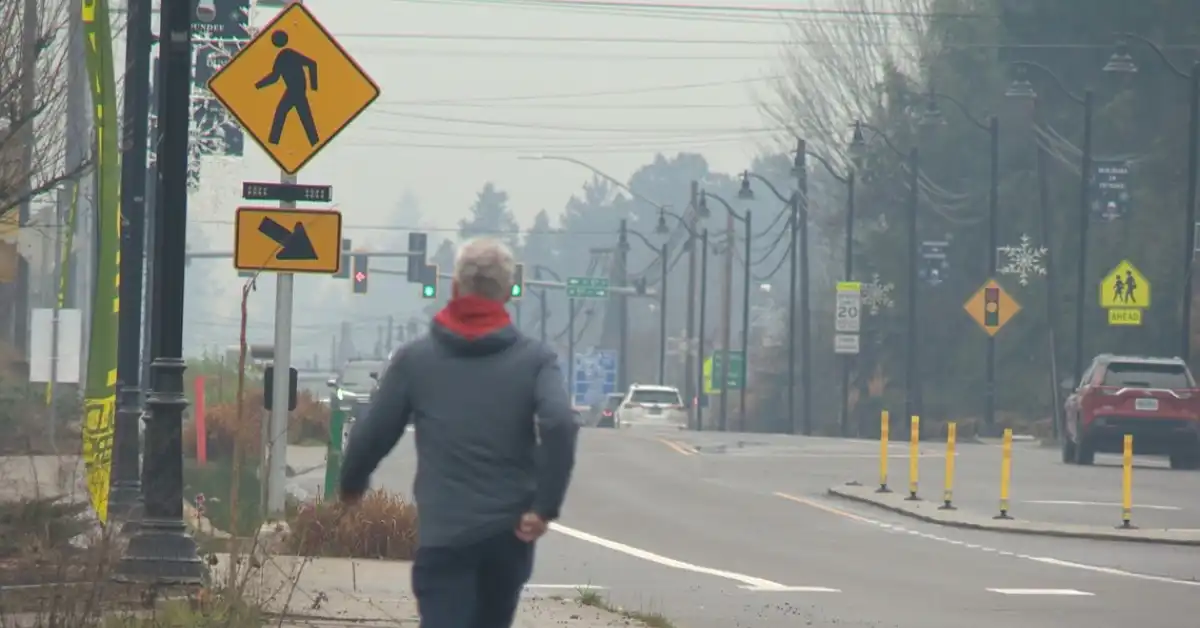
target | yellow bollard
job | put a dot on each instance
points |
(948, 491)
(883, 453)
(1127, 483)
(1005, 473)
(914, 457)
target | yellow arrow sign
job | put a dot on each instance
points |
(288, 240)
(293, 88)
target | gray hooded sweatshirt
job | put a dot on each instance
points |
(471, 388)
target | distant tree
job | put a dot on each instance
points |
(490, 215)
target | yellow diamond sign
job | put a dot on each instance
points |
(293, 88)
(1125, 292)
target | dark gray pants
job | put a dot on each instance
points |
(473, 586)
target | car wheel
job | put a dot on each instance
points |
(1186, 460)
(1084, 454)
(1068, 449)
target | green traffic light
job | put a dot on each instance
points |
(516, 291)
(428, 291)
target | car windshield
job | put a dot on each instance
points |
(1147, 375)
(356, 376)
(663, 396)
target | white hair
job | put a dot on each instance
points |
(484, 267)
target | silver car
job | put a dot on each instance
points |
(652, 405)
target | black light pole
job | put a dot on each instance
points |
(913, 399)
(126, 485)
(700, 334)
(696, 212)
(1121, 61)
(744, 219)
(161, 551)
(800, 172)
(662, 301)
(847, 274)
(793, 202)
(1022, 88)
(932, 117)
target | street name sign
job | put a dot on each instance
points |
(293, 88)
(587, 288)
(288, 240)
(287, 192)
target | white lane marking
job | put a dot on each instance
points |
(749, 582)
(572, 587)
(786, 589)
(941, 539)
(1068, 502)
(1040, 592)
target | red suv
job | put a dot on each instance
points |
(1154, 399)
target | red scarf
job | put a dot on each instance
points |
(473, 316)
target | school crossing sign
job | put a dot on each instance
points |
(1125, 293)
(293, 88)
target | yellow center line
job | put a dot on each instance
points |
(678, 447)
(819, 506)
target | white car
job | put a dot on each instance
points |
(651, 405)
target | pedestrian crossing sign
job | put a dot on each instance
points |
(1125, 292)
(293, 88)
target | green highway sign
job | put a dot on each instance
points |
(587, 288)
(712, 371)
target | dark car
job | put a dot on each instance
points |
(1153, 399)
(605, 412)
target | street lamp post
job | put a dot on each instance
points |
(797, 223)
(931, 117)
(1121, 61)
(700, 336)
(858, 145)
(623, 305)
(688, 223)
(161, 551)
(847, 274)
(727, 305)
(662, 301)
(1022, 88)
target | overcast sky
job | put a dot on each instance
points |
(468, 86)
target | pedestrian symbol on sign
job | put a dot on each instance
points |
(290, 66)
(1125, 292)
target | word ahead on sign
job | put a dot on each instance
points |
(293, 88)
(288, 240)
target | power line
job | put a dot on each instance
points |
(686, 9)
(616, 92)
(580, 149)
(658, 130)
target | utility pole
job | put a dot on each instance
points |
(913, 378)
(727, 318)
(623, 281)
(800, 171)
(662, 317)
(161, 551)
(699, 376)
(793, 223)
(693, 394)
(543, 315)
(126, 484)
(29, 53)
(747, 280)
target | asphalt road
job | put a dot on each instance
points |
(737, 533)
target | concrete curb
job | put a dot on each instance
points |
(864, 495)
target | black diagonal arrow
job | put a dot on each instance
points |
(296, 243)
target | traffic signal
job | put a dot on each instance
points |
(269, 387)
(518, 287)
(640, 286)
(429, 283)
(991, 307)
(361, 273)
(416, 256)
(344, 267)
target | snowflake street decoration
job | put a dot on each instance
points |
(877, 296)
(1023, 260)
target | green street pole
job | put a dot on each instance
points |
(333, 456)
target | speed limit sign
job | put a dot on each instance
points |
(848, 307)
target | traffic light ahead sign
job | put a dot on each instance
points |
(992, 307)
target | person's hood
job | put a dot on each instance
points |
(473, 325)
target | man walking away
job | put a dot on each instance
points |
(490, 476)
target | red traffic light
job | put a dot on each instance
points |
(360, 276)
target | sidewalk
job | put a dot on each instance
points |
(341, 591)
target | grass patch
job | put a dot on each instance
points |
(201, 611)
(214, 481)
(593, 598)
